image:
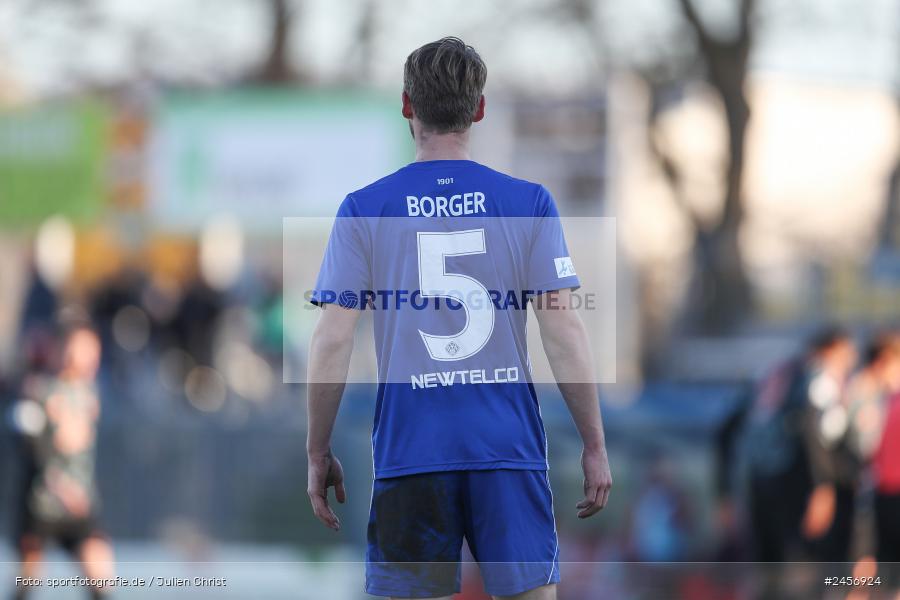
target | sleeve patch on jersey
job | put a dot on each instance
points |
(564, 267)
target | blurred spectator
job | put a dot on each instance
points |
(123, 291)
(730, 544)
(195, 321)
(887, 486)
(39, 308)
(834, 466)
(270, 313)
(660, 527)
(56, 419)
(869, 391)
(779, 443)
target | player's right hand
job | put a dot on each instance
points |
(597, 482)
(325, 471)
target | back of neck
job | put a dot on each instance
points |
(442, 146)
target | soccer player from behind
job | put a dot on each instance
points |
(448, 254)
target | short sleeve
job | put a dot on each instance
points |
(345, 273)
(550, 266)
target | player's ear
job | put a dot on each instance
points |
(479, 112)
(407, 109)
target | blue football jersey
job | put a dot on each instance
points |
(447, 254)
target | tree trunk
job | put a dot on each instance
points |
(724, 293)
(277, 67)
(721, 293)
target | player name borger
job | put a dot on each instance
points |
(473, 376)
(470, 203)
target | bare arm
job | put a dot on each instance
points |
(568, 349)
(329, 361)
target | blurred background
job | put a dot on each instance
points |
(748, 150)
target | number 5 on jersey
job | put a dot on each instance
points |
(436, 282)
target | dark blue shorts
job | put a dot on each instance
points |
(417, 524)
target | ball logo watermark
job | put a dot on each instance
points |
(348, 299)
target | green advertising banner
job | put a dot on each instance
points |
(261, 155)
(52, 162)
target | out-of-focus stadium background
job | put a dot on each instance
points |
(150, 150)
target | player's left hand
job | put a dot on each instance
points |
(819, 511)
(325, 471)
(597, 482)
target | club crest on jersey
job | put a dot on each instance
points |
(564, 267)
